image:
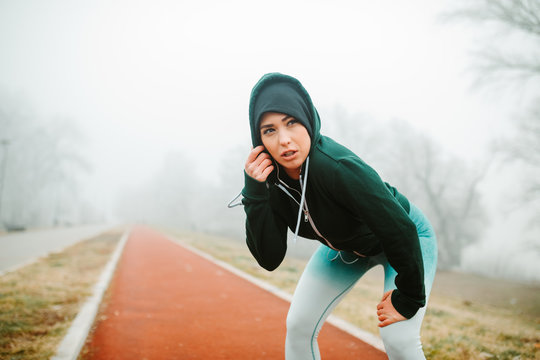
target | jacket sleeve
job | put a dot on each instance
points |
(266, 231)
(363, 192)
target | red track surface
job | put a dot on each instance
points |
(166, 302)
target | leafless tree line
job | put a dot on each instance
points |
(519, 66)
(41, 168)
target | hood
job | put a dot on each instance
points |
(283, 94)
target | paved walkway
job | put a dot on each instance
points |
(166, 302)
(17, 249)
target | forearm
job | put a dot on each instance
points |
(266, 239)
(266, 233)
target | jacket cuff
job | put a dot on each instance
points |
(404, 305)
(254, 189)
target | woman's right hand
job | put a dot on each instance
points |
(259, 164)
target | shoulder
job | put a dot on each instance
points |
(328, 160)
(330, 151)
(329, 155)
(336, 164)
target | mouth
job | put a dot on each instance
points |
(288, 154)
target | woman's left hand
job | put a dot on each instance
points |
(386, 312)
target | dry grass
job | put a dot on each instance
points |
(39, 301)
(468, 317)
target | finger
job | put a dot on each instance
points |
(257, 167)
(260, 158)
(263, 163)
(254, 153)
(386, 322)
(264, 160)
(380, 305)
(267, 171)
(251, 167)
(261, 171)
(386, 294)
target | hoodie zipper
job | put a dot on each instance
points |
(310, 219)
(307, 215)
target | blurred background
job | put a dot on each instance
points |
(136, 111)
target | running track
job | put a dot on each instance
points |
(166, 302)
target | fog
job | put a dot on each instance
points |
(136, 111)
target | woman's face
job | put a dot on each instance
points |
(287, 141)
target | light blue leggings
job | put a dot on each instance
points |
(329, 276)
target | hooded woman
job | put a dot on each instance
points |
(297, 178)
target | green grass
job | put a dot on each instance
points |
(468, 317)
(39, 301)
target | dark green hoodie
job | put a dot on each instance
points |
(346, 205)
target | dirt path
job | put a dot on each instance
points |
(166, 302)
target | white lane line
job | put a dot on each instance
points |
(71, 345)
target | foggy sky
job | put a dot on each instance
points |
(143, 78)
(177, 75)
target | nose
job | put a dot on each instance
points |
(284, 137)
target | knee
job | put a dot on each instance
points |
(401, 343)
(298, 324)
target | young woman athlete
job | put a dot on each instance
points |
(297, 178)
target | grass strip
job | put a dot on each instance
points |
(38, 302)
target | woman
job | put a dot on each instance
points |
(298, 179)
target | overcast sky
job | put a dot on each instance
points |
(142, 78)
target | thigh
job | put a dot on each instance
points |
(402, 339)
(327, 277)
(428, 245)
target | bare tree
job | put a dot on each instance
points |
(359, 132)
(505, 63)
(518, 17)
(40, 176)
(523, 146)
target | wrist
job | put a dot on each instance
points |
(404, 305)
(254, 189)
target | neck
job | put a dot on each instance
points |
(293, 173)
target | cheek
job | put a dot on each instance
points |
(303, 138)
(269, 146)
(308, 142)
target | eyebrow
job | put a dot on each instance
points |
(287, 117)
(284, 119)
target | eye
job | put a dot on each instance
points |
(292, 122)
(267, 131)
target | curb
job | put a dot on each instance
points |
(341, 324)
(75, 338)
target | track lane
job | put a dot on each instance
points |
(166, 302)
